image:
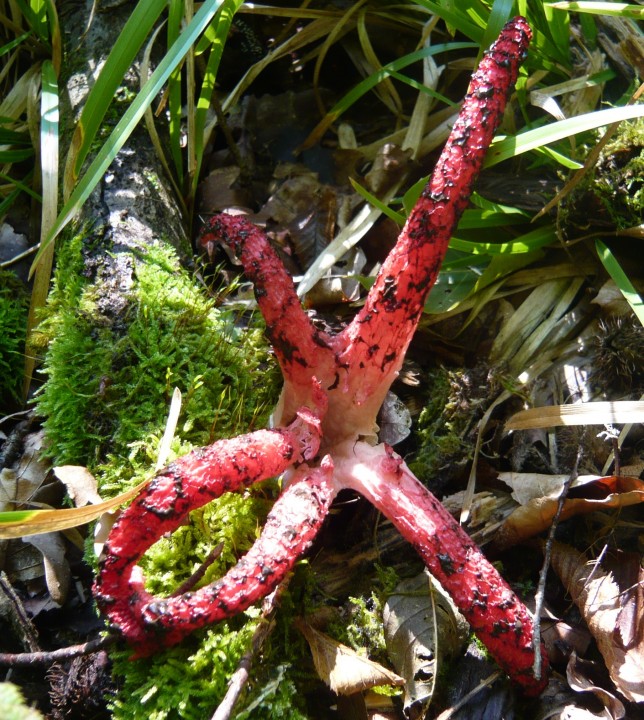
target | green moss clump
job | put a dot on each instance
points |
(442, 422)
(14, 307)
(277, 697)
(187, 681)
(619, 176)
(110, 381)
(110, 377)
(365, 630)
(612, 193)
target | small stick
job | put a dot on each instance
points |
(541, 587)
(240, 677)
(49, 657)
(199, 572)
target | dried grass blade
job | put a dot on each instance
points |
(591, 413)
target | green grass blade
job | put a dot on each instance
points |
(623, 10)
(175, 17)
(457, 18)
(128, 44)
(620, 279)
(218, 36)
(423, 89)
(369, 83)
(510, 147)
(398, 218)
(15, 156)
(8, 47)
(22, 186)
(54, 33)
(49, 143)
(475, 219)
(529, 242)
(501, 12)
(34, 19)
(130, 119)
(9, 201)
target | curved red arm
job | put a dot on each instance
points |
(495, 613)
(301, 349)
(373, 346)
(186, 484)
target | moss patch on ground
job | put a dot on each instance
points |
(110, 379)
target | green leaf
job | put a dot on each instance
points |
(398, 218)
(49, 160)
(453, 286)
(458, 18)
(101, 96)
(528, 242)
(501, 12)
(509, 147)
(220, 34)
(617, 9)
(369, 83)
(130, 119)
(620, 279)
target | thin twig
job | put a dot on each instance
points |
(19, 617)
(199, 573)
(541, 588)
(49, 657)
(240, 677)
(486, 682)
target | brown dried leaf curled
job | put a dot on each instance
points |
(341, 668)
(601, 600)
(536, 516)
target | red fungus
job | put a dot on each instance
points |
(333, 389)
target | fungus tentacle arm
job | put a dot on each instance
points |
(301, 349)
(189, 483)
(373, 346)
(494, 612)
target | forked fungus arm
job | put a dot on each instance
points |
(333, 389)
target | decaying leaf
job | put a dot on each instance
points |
(389, 166)
(534, 517)
(341, 668)
(533, 486)
(423, 629)
(29, 561)
(21, 484)
(81, 485)
(57, 571)
(603, 604)
(394, 420)
(579, 675)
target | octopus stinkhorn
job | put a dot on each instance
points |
(324, 439)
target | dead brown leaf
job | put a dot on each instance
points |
(342, 669)
(579, 675)
(601, 601)
(423, 631)
(534, 517)
(57, 571)
(81, 485)
(20, 485)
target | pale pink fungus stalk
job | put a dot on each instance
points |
(333, 389)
